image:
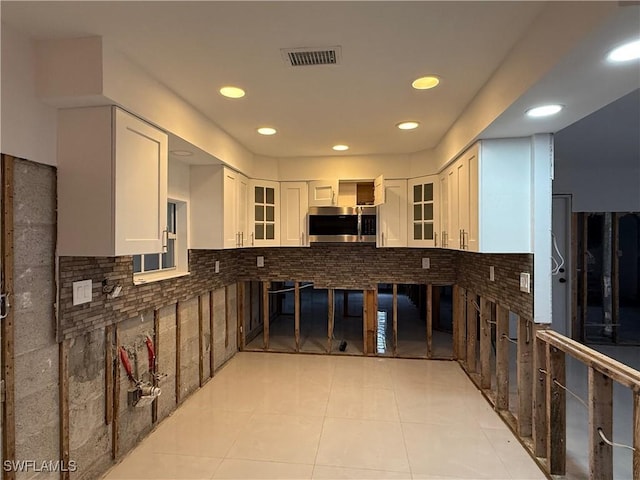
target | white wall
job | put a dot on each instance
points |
(361, 167)
(598, 159)
(28, 126)
(179, 180)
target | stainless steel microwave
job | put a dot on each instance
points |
(342, 224)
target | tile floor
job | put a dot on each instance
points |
(281, 416)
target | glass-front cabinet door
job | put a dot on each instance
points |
(423, 211)
(265, 213)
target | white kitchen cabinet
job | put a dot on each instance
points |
(264, 213)
(112, 183)
(423, 215)
(487, 203)
(323, 193)
(218, 207)
(392, 215)
(294, 207)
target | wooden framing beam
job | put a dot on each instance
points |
(7, 324)
(435, 308)
(575, 325)
(63, 383)
(525, 378)
(178, 348)
(200, 342)
(394, 319)
(600, 420)
(472, 333)
(615, 276)
(241, 296)
(156, 351)
(330, 317)
(636, 434)
(539, 427)
(502, 358)
(584, 277)
(485, 343)
(226, 316)
(115, 424)
(265, 314)
(556, 411)
(429, 320)
(108, 374)
(212, 364)
(370, 321)
(455, 320)
(296, 314)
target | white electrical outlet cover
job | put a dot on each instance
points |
(492, 274)
(82, 292)
(525, 282)
(217, 268)
(426, 262)
(260, 261)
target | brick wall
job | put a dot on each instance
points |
(473, 274)
(356, 267)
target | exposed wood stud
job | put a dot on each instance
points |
(455, 294)
(330, 319)
(156, 351)
(472, 333)
(7, 324)
(178, 348)
(200, 342)
(265, 314)
(108, 374)
(556, 411)
(435, 309)
(525, 379)
(226, 316)
(600, 419)
(395, 319)
(584, 276)
(211, 344)
(485, 343)
(63, 371)
(636, 434)
(615, 277)
(369, 320)
(115, 424)
(539, 426)
(296, 302)
(429, 320)
(502, 358)
(241, 314)
(575, 326)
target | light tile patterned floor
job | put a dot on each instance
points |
(280, 416)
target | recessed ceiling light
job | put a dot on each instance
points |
(232, 92)
(624, 53)
(181, 153)
(425, 83)
(340, 148)
(407, 125)
(544, 110)
(267, 131)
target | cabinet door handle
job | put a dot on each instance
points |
(333, 197)
(242, 239)
(252, 239)
(435, 239)
(382, 236)
(445, 239)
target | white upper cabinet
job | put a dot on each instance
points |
(392, 215)
(264, 213)
(112, 183)
(379, 191)
(218, 207)
(486, 198)
(423, 214)
(294, 206)
(323, 193)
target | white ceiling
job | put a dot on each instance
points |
(194, 48)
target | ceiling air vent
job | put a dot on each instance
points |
(304, 57)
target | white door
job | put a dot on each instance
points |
(264, 213)
(231, 234)
(242, 190)
(379, 192)
(560, 267)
